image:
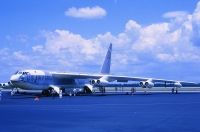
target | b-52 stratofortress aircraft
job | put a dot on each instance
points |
(55, 82)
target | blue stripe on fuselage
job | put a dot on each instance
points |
(38, 79)
(43, 81)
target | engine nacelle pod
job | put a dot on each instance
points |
(149, 84)
(146, 84)
(4, 85)
(93, 81)
(142, 84)
(88, 88)
(177, 84)
(102, 82)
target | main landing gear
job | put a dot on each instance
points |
(133, 90)
(102, 90)
(52, 92)
(14, 91)
(175, 90)
(47, 92)
(73, 92)
(146, 91)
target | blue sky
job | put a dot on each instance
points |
(150, 38)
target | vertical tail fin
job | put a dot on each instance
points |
(105, 69)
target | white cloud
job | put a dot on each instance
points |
(196, 14)
(86, 12)
(20, 56)
(151, 36)
(161, 42)
(175, 14)
(132, 26)
(63, 40)
(37, 48)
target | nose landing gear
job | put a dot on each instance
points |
(14, 91)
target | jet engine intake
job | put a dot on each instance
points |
(142, 84)
(149, 84)
(146, 84)
(4, 85)
(93, 81)
(102, 82)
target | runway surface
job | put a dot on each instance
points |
(145, 113)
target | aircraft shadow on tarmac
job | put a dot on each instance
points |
(36, 95)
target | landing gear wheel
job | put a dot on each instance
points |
(176, 90)
(133, 90)
(46, 92)
(14, 90)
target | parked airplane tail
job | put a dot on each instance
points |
(106, 64)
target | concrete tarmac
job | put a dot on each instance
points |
(164, 112)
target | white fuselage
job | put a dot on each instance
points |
(39, 80)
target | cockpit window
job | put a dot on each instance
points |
(23, 73)
(19, 73)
